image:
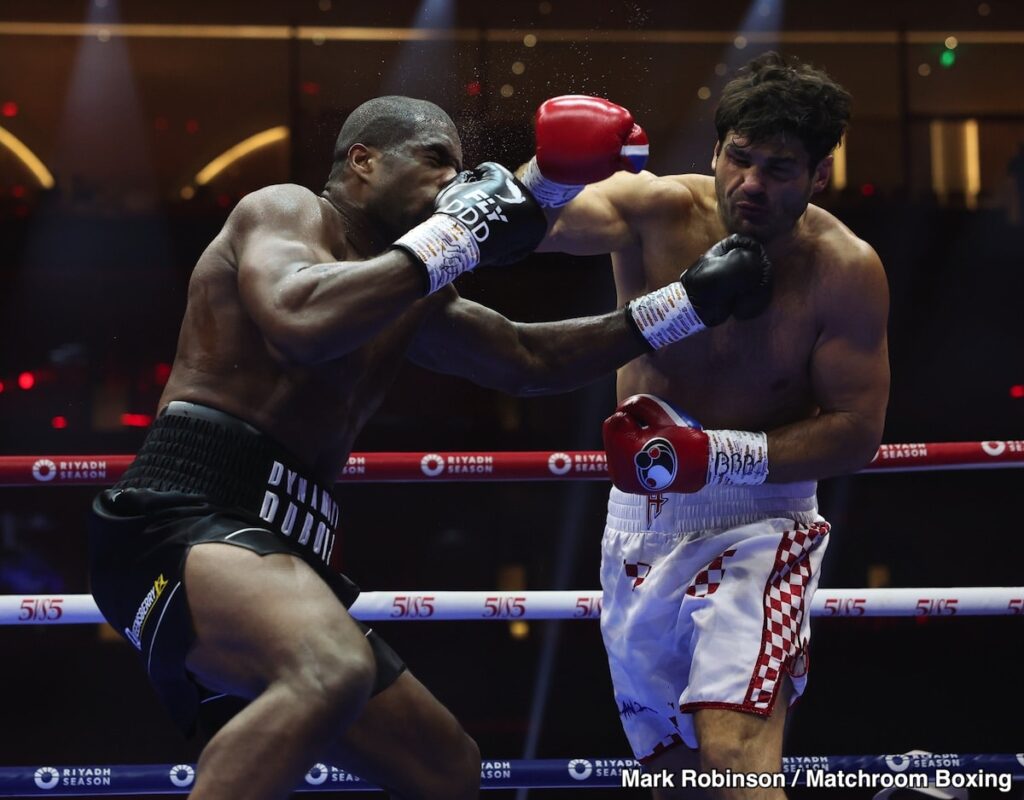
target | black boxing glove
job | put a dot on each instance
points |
(485, 216)
(733, 278)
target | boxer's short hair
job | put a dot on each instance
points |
(774, 95)
(386, 123)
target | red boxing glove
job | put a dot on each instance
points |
(653, 448)
(581, 140)
(584, 139)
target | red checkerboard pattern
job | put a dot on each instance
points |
(710, 578)
(784, 605)
(637, 571)
(671, 741)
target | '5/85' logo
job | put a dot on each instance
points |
(504, 607)
(41, 609)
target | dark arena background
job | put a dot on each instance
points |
(129, 130)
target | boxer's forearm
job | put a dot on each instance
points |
(833, 443)
(561, 356)
(472, 341)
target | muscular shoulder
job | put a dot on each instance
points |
(852, 278)
(645, 196)
(839, 247)
(282, 205)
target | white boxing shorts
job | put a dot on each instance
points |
(706, 603)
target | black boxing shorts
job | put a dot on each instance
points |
(204, 476)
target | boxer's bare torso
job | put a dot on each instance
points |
(817, 353)
(225, 361)
(750, 374)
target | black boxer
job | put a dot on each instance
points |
(204, 476)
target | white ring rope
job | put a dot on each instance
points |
(75, 609)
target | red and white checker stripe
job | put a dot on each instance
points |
(784, 606)
(710, 578)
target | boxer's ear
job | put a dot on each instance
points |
(361, 159)
(822, 174)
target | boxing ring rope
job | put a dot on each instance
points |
(427, 605)
(870, 771)
(542, 465)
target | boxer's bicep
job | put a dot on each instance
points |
(850, 362)
(271, 282)
(849, 375)
(603, 218)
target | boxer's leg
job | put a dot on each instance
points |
(407, 742)
(747, 667)
(674, 761)
(270, 630)
(743, 743)
(729, 740)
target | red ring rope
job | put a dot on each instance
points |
(542, 465)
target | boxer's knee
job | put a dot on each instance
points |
(464, 777)
(730, 740)
(720, 753)
(456, 773)
(331, 679)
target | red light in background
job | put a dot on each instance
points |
(17, 190)
(160, 123)
(867, 189)
(223, 200)
(136, 420)
(1017, 391)
(60, 423)
(192, 126)
(473, 88)
(310, 87)
(162, 373)
(9, 109)
(2, 387)
(26, 380)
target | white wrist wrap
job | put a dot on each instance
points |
(739, 458)
(665, 316)
(444, 246)
(548, 193)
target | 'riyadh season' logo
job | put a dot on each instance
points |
(317, 774)
(44, 470)
(46, 777)
(432, 465)
(580, 769)
(559, 463)
(182, 775)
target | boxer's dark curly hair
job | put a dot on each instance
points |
(386, 123)
(774, 95)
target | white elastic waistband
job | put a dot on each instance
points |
(713, 507)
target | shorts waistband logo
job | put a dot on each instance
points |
(309, 511)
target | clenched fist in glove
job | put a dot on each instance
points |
(581, 140)
(733, 278)
(653, 448)
(485, 216)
